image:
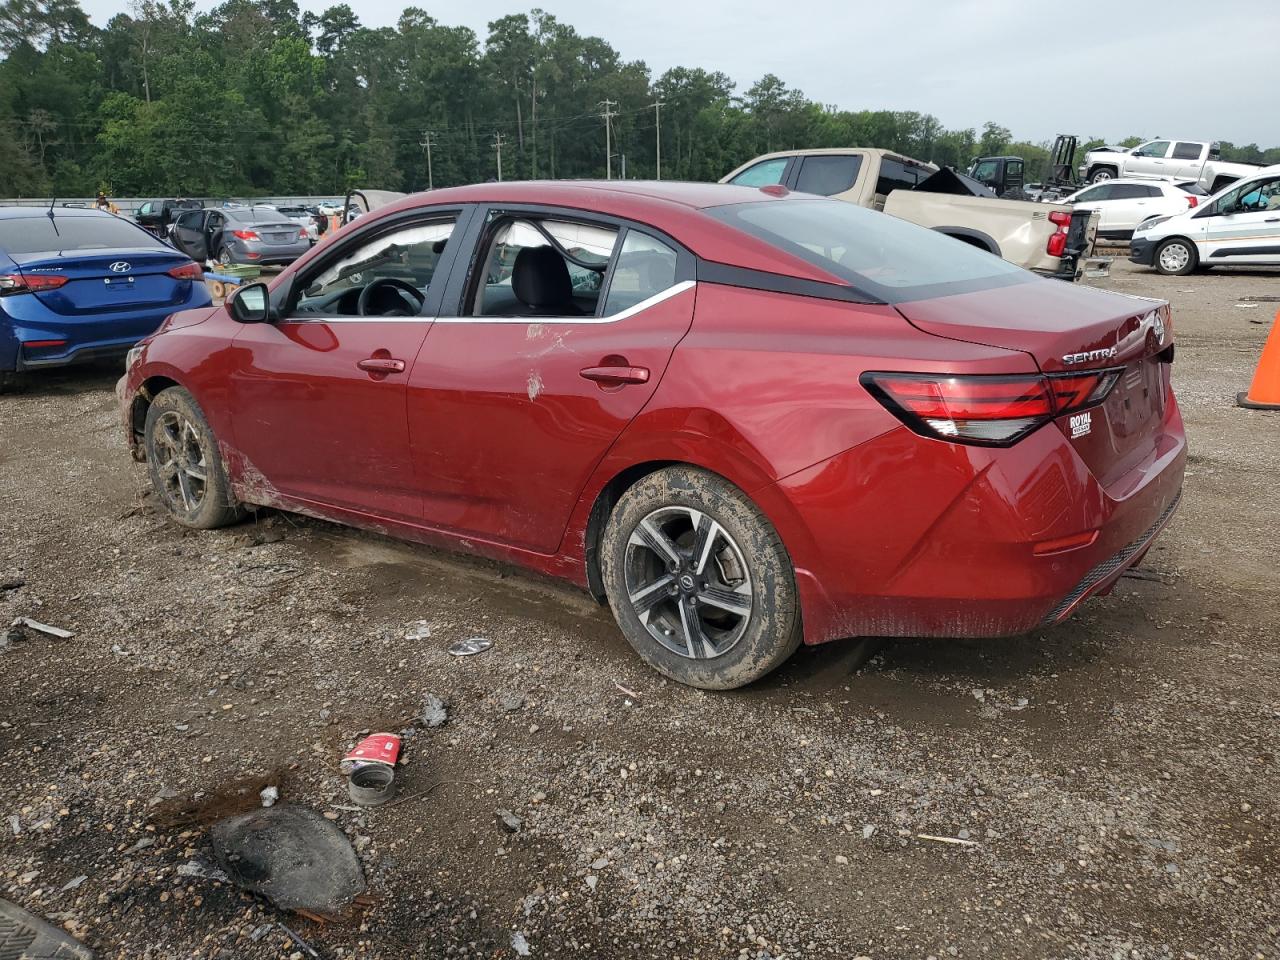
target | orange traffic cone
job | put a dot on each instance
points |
(1264, 392)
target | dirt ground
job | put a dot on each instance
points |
(1116, 776)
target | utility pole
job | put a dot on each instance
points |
(657, 125)
(427, 142)
(606, 107)
(497, 145)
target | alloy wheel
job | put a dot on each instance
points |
(181, 462)
(687, 581)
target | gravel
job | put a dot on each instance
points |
(1115, 777)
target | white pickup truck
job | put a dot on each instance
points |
(1051, 239)
(1197, 160)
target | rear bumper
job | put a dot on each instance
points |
(80, 354)
(962, 541)
(1142, 251)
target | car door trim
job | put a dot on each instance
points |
(675, 289)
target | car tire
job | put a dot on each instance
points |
(1177, 257)
(9, 381)
(185, 464)
(1101, 174)
(224, 256)
(723, 609)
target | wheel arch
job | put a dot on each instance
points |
(975, 238)
(147, 391)
(1115, 170)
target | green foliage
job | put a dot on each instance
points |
(258, 97)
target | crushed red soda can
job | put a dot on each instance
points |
(375, 748)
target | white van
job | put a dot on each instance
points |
(1237, 226)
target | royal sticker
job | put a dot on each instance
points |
(1081, 424)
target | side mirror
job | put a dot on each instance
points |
(251, 304)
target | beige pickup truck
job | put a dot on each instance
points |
(1050, 238)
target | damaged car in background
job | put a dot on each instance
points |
(746, 419)
(1049, 239)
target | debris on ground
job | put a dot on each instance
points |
(511, 702)
(42, 628)
(435, 712)
(508, 821)
(13, 583)
(467, 648)
(375, 748)
(519, 944)
(419, 631)
(26, 937)
(960, 841)
(299, 941)
(630, 693)
(269, 795)
(371, 784)
(292, 856)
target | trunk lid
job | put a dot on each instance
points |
(1068, 328)
(276, 232)
(110, 281)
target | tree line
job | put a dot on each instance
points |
(256, 97)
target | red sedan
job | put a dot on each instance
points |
(745, 418)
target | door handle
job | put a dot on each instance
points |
(1272, 220)
(383, 365)
(612, 374)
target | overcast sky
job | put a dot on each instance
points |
(1171, 68)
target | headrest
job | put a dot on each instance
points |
(540, 278)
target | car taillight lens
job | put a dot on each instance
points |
(302, 234)
(245, 235)
(985, 410)
(12, 284)
(188, 271)
(1057, 244)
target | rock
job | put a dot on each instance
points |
(512, 702)
(842, 859)
(519, 944)
(591, 882)
(867, 831)
(434, 711)
(508, 821)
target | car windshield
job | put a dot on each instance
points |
(41, 233)
(891, 259)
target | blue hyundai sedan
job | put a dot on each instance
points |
(79, 284)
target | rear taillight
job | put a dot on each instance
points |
(302, 234)
(1192, 201)
(12, 284)
(188, 271)
(986, 410)
(245, 235)
(1057, 244)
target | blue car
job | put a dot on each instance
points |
(78, 284)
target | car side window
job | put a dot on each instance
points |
(1186, 151)
(766, 173)
(896, 175)
(827, 176)
(190, 221)
(145, 208)
(1264, 195)
(1156, 148)
(1129, 191)
(401, 263)
(1094, 194)
(645, 267)
(536, 267)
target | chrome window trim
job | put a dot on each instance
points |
(674, 290)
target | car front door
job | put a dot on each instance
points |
(1149, 159)
(564, 327)
(189, 235)
(1246, 225)
(318, 397)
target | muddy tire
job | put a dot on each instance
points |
(699, 580)
(1177, 257)
(185, 466)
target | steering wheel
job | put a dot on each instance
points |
(400, 286)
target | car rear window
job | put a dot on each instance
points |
(40, 234)
(891, 259)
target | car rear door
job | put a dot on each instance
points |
(511, 407)
(318, 397)
(189, 235)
